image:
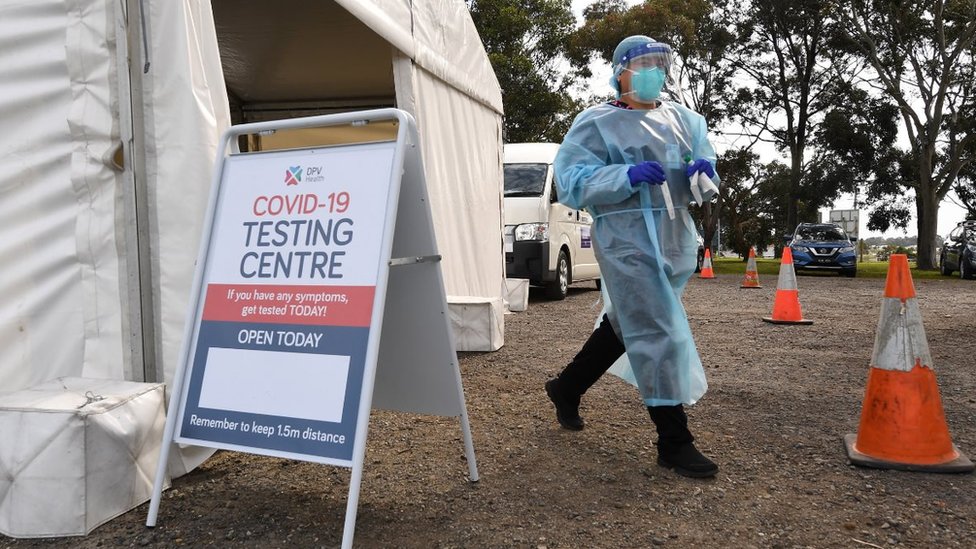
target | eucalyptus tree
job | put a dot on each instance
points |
(526, 43)
(921, 53)
(791, 76)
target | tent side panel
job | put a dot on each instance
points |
(186, 111)
(60, 298)
(461, 146)
(440, 36)
(448, 45)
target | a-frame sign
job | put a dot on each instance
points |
(318, 295)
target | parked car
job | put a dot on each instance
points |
(823, 247)
(959, 251)
(545, 241)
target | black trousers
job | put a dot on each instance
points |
(600, 351)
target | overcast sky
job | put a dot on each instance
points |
(949, 214)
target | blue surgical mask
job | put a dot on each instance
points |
(647, 83)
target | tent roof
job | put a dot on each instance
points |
(272, 51)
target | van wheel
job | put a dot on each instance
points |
(558, 288)
(599, 284)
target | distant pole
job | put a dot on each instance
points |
(857, 228)
(718, 237)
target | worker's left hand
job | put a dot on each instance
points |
(701, 165)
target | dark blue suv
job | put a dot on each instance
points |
(823, 247)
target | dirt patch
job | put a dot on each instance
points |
(780, 400)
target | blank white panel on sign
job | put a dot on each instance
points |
(275, 383)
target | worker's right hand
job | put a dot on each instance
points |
(646, 172)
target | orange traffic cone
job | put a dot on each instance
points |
(786, 307)
(706, 270)
(752, 275)
(902, 422)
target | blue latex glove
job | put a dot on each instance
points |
(701, 165)
(646, 172)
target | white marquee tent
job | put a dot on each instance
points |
(98, 241)
(111, 112)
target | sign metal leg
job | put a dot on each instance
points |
(468, 446)
(164, 451)
(352, 505)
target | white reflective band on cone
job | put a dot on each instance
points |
(787, 278)
(900, 340)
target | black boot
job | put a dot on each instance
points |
(567, 405)
(675, 447)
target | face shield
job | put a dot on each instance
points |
(649, 64)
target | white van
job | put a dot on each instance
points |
(545, 241)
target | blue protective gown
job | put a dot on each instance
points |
(645, 257)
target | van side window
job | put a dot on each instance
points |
(553, 197)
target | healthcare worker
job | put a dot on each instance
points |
(635, 163)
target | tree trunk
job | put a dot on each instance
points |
(710, 218)
(927, 214)
(740, 241)
(708, 230)
(792, 206)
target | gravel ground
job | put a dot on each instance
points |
(780, 400)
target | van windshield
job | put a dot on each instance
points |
(821, 233)
(525, 179)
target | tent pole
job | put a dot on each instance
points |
(142, 312)
(132, 348)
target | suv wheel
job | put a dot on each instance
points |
(965, 271)
(557, 289)
(946, 271)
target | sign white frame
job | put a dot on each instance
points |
(410, 358)
(849, 220)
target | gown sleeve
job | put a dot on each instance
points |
(584, 175)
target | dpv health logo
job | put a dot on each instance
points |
(293, 176)
(313, 174)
